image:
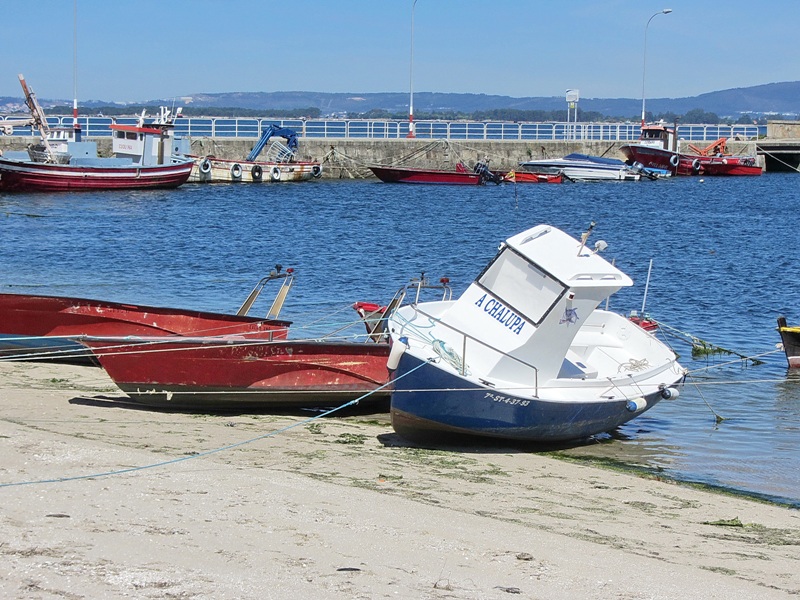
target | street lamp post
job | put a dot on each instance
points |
(666, 11)
(411, 77)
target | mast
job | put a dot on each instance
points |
(75, 125)
(37, 115)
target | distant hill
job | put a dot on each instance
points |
(781, 98)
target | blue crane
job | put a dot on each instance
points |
(291, 140)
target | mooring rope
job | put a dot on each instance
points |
(783, 162)
(215, 450)
(741, 359)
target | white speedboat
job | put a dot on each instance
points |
(525, 353)
(583, 167)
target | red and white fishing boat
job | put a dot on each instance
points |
(657, 149)
(461, 175)
(280, 165)
(41, 327)
(234, 372)
(143, 158)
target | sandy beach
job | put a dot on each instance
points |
(287, 506)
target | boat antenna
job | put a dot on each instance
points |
(75, 125)
(585, 237)
(647, 285)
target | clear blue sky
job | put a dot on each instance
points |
(146, 49)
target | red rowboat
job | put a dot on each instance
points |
(460, 176)
(532, 177)
(234, 373)
(39, 327)
(411, 175)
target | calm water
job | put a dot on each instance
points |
(725, 265)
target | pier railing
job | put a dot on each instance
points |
(223, 127)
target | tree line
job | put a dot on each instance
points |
(697, 115)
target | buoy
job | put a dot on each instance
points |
(256, 173)
(236, 171)
(670, 393)
(636, 404)
(316, 171)
(275, 174)
(205, 166)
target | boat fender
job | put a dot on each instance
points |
(696, 164)
(316, 171)
(636, 404)
(275, 174)
(205, 166)
(256, 172)
(670, 393)
(674, 160)
(396, 351)
(236, 171)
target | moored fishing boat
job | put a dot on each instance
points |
(657, 149)
(281, 163)
(34, 327)
(461, 175)
(144, 157)
(790, 340)
(525, 353)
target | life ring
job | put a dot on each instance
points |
(674, 160)
(205, 166)
(696, 164)
(236, 171)
(316, 171)
(275, 174)
(256, 173)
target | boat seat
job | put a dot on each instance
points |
(575, 369)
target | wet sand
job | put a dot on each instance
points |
(343, 508)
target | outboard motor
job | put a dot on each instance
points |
(482, 169)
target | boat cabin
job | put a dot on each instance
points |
(658, 135)
(530, 301)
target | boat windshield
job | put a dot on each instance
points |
(522, 286)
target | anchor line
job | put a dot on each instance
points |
(717, 416)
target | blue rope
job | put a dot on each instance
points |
(209, 452)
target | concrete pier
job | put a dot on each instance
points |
(350, 158)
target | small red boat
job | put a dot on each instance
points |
(460, 176)
(235, 373)
(657, 150)
(39, 327)
(533, 177)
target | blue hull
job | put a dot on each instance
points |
(430, 403)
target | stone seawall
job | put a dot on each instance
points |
(350, 158)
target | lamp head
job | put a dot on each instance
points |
(666, 11)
